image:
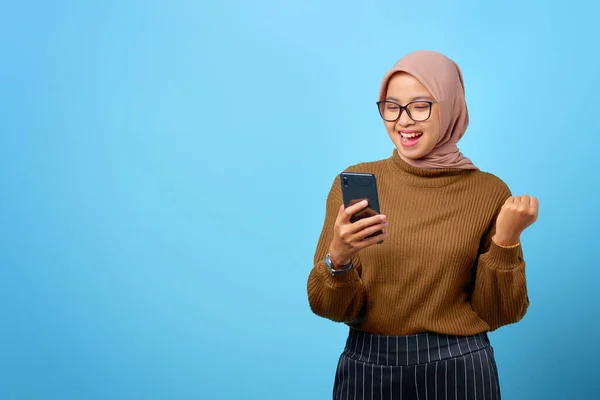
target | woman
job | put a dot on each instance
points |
(450, 267)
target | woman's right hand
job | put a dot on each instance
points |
(350, 237)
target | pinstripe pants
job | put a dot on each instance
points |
(425, 366)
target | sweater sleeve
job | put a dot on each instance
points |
(499, 295)
(339, 298)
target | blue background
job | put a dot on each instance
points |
(164, 167)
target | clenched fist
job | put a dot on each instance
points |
(517, 213)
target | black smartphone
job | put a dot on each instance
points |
(358, 186)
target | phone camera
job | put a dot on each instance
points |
(345, 181)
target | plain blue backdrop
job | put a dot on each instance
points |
(164, 167)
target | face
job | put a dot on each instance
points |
(413, 139)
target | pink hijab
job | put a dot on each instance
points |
(443, 78)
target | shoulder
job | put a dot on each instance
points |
(369, 167)
(491, 187)
(372, 167)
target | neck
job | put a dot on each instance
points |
(446, 156)
(428, 177)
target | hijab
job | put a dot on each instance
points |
(443, 78)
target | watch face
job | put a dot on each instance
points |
(328, 262)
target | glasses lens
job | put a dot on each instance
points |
(389, 111)
(420, 110)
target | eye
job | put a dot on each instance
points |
(421, 106)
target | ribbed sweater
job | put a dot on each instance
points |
(438, 270)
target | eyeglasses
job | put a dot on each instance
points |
(418, 111)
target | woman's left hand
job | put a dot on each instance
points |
(517, 213)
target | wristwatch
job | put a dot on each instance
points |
(334, 272)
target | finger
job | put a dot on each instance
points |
(534, 207)
(517, 200)
(534, 203)
(353, 209)
(340, 211)
(366, 222)
(510, 200)
(363, 233)
(371, 241)
(524, 204)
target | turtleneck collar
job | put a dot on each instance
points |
(430, 177)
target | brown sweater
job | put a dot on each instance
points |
(438, 270)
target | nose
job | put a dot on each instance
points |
(404, 119)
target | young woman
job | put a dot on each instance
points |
(450, 267)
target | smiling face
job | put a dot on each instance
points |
(413, 139)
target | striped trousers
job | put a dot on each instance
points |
(425, 366)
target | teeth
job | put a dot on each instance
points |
(410, 135)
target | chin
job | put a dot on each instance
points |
(412, 154)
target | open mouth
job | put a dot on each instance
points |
(410, 139)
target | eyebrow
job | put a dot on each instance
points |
(417, 98)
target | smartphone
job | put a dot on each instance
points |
(358, 186)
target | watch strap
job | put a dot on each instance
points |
(333, 271)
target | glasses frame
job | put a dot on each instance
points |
(405, 108)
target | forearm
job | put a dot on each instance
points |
(339, 298)
(500, 293)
